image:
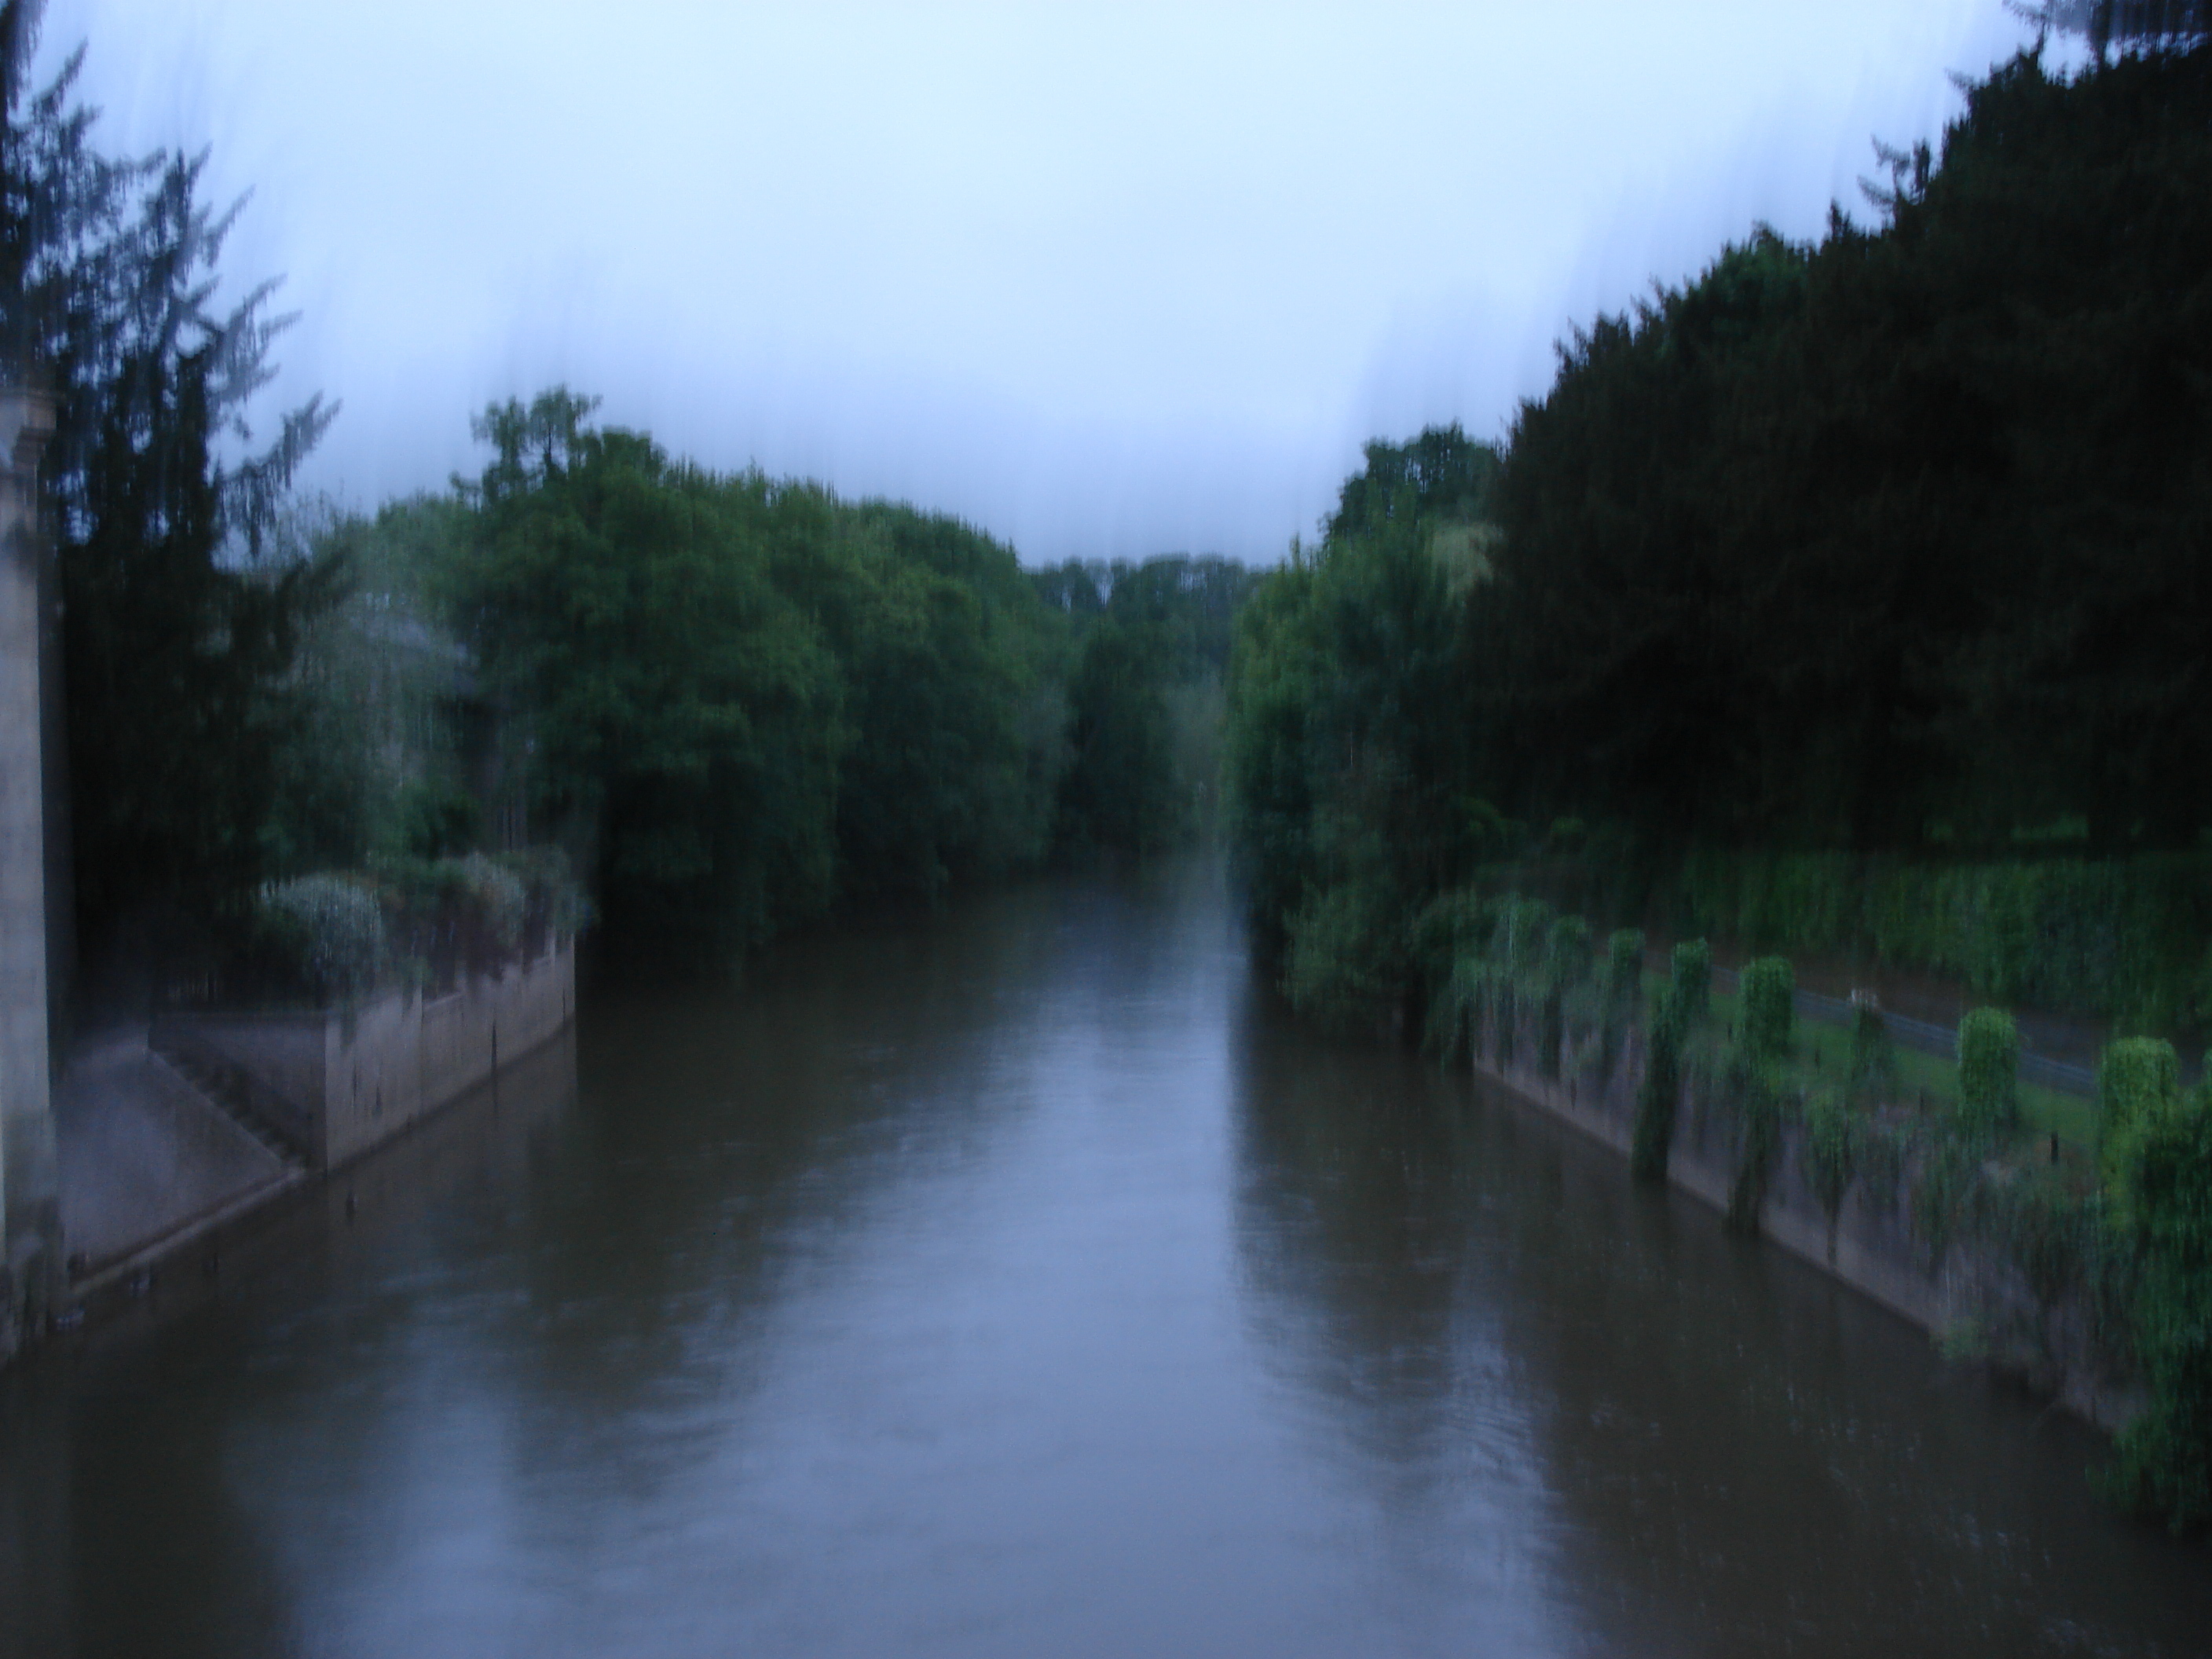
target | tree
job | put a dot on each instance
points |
(686, 718)
(179, 624)
(2158, 24)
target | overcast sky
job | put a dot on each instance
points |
(1108, 280)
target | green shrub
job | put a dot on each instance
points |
(1879, 1157)
(1989, 1073)
(2165, 1463)
(546, 874)
(2046, 1225)
(432, 820)
(1345, 957)
(1942, 1197)
(1770, 1011)
(499, 896)
(1624, 968)
(1692, 990)
(1451, 927)
(1522, 943)
(1571, 952)
(2120, 937)
(327, 930)
(2136, 1077)
(1872, 1075)
(1757, 1092)
(1828, 1156)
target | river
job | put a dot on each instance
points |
(1020, 1279)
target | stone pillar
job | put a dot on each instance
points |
(30, 1241)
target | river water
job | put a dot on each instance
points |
(1020, 1280)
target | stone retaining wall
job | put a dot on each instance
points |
(338, 1083)
(1967, 1287)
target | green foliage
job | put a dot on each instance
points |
(1566, 975)
(2138, 1079)
(1880, 1156)
(2050, 1228)
(1121, 790)
(1828, 1152)
(1949, 1170)
(391, 750)
(1524, 940)
(1345, 764)
(1624, 968)
(328, 930)
(1755, 1089)
(1153, 642)
(1988, 1074)
(331, 937)
(2164, 1462)
(1769, 1010)
(434, 819)
(1621, 995)
(1849, 597)
(1873, 1065)
(1692, 991)
(2120, 937)
(745, 697)
(1343, 967)
(1570, 964)
(1975, 426)
(178, 623)
(2157, 25)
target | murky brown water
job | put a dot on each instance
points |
(1019, 1281)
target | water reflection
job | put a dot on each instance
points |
(1017, 1280)
(1703, 1446)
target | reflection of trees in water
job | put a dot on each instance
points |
(1348, 1230)
(1356, 1240)
(1740, 1455)
(725, 1133)
(119, 1533)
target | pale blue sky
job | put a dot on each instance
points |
(1108, 280)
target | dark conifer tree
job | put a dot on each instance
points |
(178, 623)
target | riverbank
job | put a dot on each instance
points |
(1021, 1277)
(1971, 1298)
(174, 1141)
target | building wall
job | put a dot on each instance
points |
(30, 1241)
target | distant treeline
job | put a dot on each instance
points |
(739, 699)
(1890, 549)
(733, 701)
(736, 700)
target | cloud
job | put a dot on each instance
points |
(1105, 281)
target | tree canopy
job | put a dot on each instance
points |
(1888, 545)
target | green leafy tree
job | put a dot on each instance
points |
(1989, 1073)
(686, 716)
(2162, 1165)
